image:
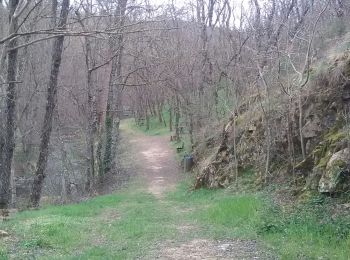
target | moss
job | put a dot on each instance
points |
(333, 137)
(323, 152)
(320, 151)
(322, 163)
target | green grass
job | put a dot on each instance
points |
(118, 226)
(308, 232)
(133, 223)
(219, 213)
(156, 128)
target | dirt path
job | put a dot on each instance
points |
(155, 162)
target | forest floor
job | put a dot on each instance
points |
(157, 216)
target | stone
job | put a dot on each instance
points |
(225, 247)
(336, 167)
(3, 233)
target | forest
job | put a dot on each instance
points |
(178, 129)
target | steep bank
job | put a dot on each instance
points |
(312, 156)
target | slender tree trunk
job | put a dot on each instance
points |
(147, 121)
(177, 118)
(64, 173)
(11, 99)
(290, 138)
(159, 108)
(170, 119)
(191, 129)
(115, 94)
(92, 131)
(50, 106)
(110, 117)
(302, 143)
(93, 140)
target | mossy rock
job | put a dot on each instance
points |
(336, 166)
(324, 150)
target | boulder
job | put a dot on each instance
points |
(337, 168)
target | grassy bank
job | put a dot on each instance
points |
(132, 224)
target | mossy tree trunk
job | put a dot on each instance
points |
(114, 106)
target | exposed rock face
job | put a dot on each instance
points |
(337, 168)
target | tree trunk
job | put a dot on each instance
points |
(95, 120)
(302, 143)
(50, 106)
(177, 119)
(109, 119)
(159, 108)
(147, 121)
(113, 118)
(11, 99)
(170, 119)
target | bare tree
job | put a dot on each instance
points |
(114, 108)
(56, 58)
(9, 144)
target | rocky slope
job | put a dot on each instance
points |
(325, 129)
